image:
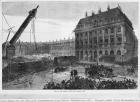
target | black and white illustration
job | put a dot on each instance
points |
(77, 45)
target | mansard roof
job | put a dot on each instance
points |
(114, 12)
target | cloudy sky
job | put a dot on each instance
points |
(56, 20)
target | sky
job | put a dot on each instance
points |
(56, 20)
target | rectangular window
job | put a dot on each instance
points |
(119, 29)
(95, 32)
(100, 31)
(106, 31)
(119, 40)
(81, 43)
(77, 35)
(100, 40)
(90, 41)
(86, 34)
(112, 41)
(95, 22)
(90, 33)
(112, 30)
(106, 41)
(81, 35)
(95, 40)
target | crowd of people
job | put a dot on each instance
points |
(113, 84)
(98, 71)
(86, 83)
(76, 83)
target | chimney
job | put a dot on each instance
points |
(99, 11)
(119, 6)
(108, 7)
(86, 14)
(93, 13)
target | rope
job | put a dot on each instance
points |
(7, 22)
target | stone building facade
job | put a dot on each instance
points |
(64, 47)
(105, 35)
(27, 48)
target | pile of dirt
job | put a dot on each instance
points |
(22, 65)
(65, 60)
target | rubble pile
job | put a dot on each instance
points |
(19, 66)
(96, 71)
(65, 60)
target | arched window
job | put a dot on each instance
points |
(106, 52)
(118, 52)
(111, 52)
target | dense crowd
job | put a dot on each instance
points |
(86, 83)
(98, 71)
(113, 84)
(76, 83)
